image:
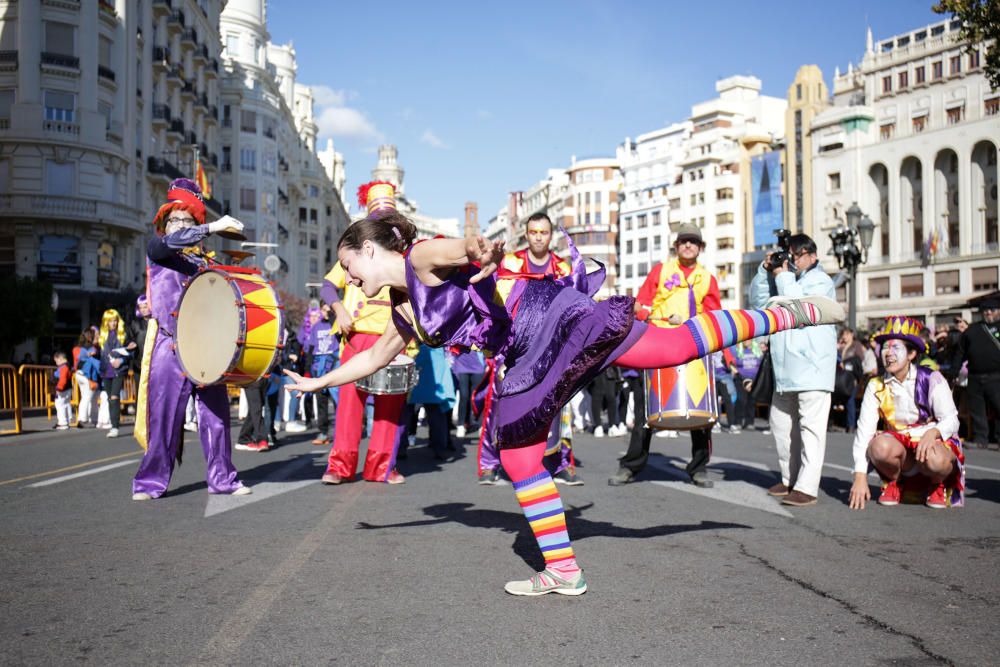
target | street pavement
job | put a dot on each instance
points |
(371, 574)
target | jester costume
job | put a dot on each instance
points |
(164, 389)
(559, 448)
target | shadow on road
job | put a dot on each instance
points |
(983, 489)
(524, 542)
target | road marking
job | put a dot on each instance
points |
(272, 485)
(739, 493)
(972, 467)
(73, 467)
(243, 620)
(84, 473)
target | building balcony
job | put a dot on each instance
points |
(8, 61)
(175, 22)
(106, 73)
(191, 138)
(200, 55)
(60, 61)
(227, 167)
(162, 168)
(188, 93)
(213, 115)
(61, 127)
(201, 101)
(176, 129)
(174, 77)
(211, 70)
(162, 7)
(107, 12)
(161, 58)
(161, 115)
(189, 37)
(115, 132)
(52, 207)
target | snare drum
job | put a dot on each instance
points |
(682, 398)
(399, 377)
(229, 326)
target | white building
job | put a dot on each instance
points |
(387, 168)
(691, 172)
(590, 214)
(912, 138)
(273, 179)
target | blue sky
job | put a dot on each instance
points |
(482, 98)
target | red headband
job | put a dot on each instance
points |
(190, 199)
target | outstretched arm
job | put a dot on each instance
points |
(430, 257)
(361, 365)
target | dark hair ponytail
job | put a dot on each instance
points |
(391, 231)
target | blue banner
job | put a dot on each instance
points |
(768, 207)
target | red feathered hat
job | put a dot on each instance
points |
(377, 196)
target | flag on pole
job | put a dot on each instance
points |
(202, 180)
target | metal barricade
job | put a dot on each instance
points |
(36, 387)
(10, 395)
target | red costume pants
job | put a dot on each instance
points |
(383, 442)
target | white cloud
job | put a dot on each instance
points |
(336, 119)
(432, 140)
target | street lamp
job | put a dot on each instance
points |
(850, 244)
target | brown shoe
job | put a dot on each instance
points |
(798, 499)
(321, 441)
(779, 490)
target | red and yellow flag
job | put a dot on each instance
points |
(202, 180)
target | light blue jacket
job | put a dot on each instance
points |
(803, 359)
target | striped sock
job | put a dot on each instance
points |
(719, 329)
(543, 509)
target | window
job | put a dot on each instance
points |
(984, 279)
(878, 288)
(701, 197)
(723, 218)
(656, 218)
(312, 216)
(628, 270)
(267, 203)
(956, 114)
(248, 121)
(269, 164)
(887, 131)
(232, 45)
(886, 84)
(628, 223)
(105, 110)
(7, 101)
(798, 91)
(937, 70)
(724, 193)
(643, 268)
(60, 178)
(268, 126)
(657, 243)
(643, 245)
(946, 282)
(59, 106)
(974, 60)
(919, 124)
(990, 107)
(227, 160)
(59, 38)
(726, 243)
(833, 182)
(628, 247)
(248, 199)
(641, 221)
(314, 191)
(248, 159)
(313, 265)
(903, 79)
(59, 259)
(911, 285)
(104, 51)
(919, 74)
(955, 65)
(694, 199)
(674, 203)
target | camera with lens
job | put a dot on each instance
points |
(783, 253)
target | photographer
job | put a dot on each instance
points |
(804, 362)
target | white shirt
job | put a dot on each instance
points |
(944, 415)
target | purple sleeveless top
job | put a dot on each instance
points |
(550, 338)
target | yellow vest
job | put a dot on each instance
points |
(673, 293)
(517, 262)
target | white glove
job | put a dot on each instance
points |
(224, 223)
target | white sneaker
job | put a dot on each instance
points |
(577, 424)
(460, 431)
(62, 427)
(295, 427)
(141, 496)
(113, 433)
(242, 491)
(191, 426)
(599, 432)
(620, 430)
(666, 434)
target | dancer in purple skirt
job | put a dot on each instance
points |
(549, 337)
(173, 256)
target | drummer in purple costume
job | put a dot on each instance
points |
(549, 338)
(173, 256)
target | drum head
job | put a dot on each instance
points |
(208, 326)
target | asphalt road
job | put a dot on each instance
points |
(301, 573)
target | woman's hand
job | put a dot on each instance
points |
(489, 254)
(860, 493)
(927, 442)
(302, 384)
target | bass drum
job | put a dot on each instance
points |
(682, 398)
(229, 326)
